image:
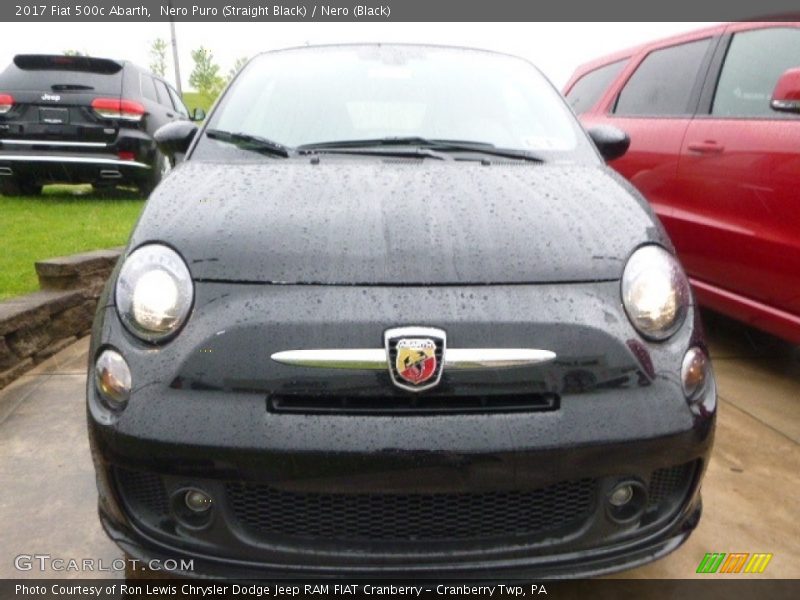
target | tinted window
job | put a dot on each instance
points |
(163, 94)
(662, 84)
(346, 93)
(45, 73)
(176, 100)
(588, 89)
(148, 87)
(755, 61)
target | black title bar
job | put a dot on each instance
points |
(598, 589)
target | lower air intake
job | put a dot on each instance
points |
(265, 510)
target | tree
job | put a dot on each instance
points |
(237, 66)
(75, 53)
(158, 57)
(205, 77)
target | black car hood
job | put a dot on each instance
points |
(377, 221)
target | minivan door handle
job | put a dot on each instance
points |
(171, 115)
(706, 147)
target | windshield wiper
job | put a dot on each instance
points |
(408, 146)
(421, 142)
(245, 141)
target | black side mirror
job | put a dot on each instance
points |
(198, 114)
(611, 141)
(173, 139)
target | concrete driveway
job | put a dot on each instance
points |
(751, 491)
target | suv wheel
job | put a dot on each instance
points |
(19, 187)
(161, 166)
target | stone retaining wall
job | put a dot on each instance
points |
(36, 326)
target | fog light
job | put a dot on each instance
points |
(626, 501)
(112, 379)
(621, 495)
(198, 501)
(694, 373)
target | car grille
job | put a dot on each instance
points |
(667, 489)
(411, 517)
(410, 404)
(267, 512)
(144, 494)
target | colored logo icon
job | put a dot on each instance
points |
(737, 562)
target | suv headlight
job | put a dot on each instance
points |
(154, 292)
(655, 292)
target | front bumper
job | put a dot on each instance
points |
(522, 494)
(572, 565)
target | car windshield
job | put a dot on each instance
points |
(399, 94)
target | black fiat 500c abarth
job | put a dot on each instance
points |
(391, 315)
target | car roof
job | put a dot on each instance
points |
(688, 36)
(391, 45)
(628, 52)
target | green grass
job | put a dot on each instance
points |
(64, 220)
(197, 100)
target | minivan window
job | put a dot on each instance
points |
(662, 85)
(754, 63)
(349, 93)
(588, 89)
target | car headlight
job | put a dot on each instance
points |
(655, 292)
(154, 292)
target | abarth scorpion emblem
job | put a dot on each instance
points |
(415, 356)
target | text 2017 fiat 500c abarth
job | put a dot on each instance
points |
(391, 315)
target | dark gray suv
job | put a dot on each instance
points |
(79, 119)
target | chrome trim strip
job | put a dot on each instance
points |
(398, 332)
(72, 159)
(374, 359)
(357, 358)
(495, 358)
(54, 143)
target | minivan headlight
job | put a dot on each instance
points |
(154, 292)
(655, 292)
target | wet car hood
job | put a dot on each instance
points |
(397, 221)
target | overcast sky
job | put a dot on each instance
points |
(556, 48)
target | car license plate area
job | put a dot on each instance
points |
(54, 116)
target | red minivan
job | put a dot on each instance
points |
(714, 122)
